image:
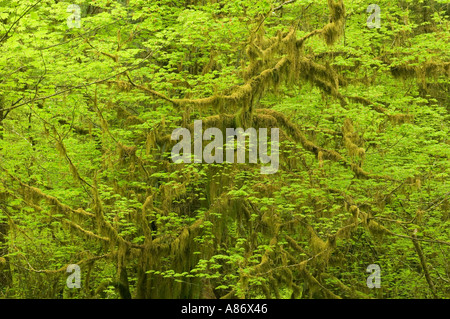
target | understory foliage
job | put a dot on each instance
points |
(86, 175)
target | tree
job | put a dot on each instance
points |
(86, 116)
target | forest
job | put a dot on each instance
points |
(351, 99)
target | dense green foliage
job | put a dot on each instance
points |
(86, 175)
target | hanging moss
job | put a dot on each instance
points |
(317, 244)
(350, 140)
(333, 30)
(127, 153)
(298, 136)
